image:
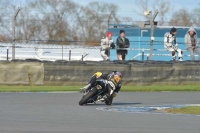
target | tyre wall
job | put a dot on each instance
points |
(78, 73)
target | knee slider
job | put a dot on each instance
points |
(114, 95)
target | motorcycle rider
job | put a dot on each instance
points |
(114, 82)
(106, 43)
(169, 38)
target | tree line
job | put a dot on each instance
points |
(66, 22)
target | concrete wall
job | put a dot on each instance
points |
(26, 73)
(78, 73)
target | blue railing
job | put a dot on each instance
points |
(140, 46)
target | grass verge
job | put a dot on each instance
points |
(37, 88)
(185, 110)
(76, 88)
(160, 88)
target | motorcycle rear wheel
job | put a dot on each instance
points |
(88, 96)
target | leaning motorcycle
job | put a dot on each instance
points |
(98, 92)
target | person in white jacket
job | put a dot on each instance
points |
(106, 43)
(171, 45)
(191, 42)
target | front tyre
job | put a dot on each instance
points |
(88, 96)
(109, 100)
(108, 103)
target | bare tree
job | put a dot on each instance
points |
(94, 19)
(142, 6)
(4, 23)
(196, 16)
(181, 17)
(65, 21)
(26, 27)
(4, 7)
(162, 6)
(57, 17)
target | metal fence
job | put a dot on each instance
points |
(64, 40)
(49, 40)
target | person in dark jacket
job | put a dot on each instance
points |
(122, 44)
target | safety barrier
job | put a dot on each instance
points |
(36, 72)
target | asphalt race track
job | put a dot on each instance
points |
(60, 113)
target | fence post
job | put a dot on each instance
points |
(13, 33)
(142, 54)
(7, 53)
(152, 34)
(61, 33)
(62, 51)
(70, 55)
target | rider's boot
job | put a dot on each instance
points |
(174, 58)
(85, 88)
(102, 99)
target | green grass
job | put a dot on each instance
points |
(76, 88)
(37, 88)
(161, 88)
(185, 110)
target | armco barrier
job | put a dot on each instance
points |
(32, 72)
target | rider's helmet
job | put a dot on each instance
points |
(117, 73)
(115, 76)
(98, 74)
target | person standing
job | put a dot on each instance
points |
(106, 43)
(171, 45)
(122, 44)
(191, 41)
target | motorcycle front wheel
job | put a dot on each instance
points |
(109, 100)
(88, 96)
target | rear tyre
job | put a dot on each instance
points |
(88, 96)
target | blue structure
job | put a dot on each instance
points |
(140, 42)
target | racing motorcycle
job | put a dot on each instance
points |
(98, 92)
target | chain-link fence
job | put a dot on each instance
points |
(80, 40)
(49, 40)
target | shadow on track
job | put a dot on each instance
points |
(125, 103)
(113, 104)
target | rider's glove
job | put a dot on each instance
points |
(112, 46)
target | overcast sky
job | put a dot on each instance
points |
(126, 7)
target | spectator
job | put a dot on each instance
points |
(106, 43)
(122, 42)
(171, 45)
(191, 41)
